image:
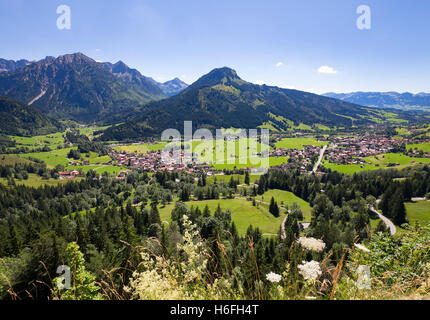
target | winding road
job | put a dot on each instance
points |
(319, 159)
(390, 225)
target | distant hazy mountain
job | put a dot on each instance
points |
(404, 101)
(19, 119)
(75, 86)
(221, 99)
(134, 78)
(12, 66)
(172, 87)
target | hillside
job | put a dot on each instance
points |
(73, 86)
(395, 100)
(19, 119)
(222, 99)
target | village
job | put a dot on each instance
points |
(347, 151)
(344, 150)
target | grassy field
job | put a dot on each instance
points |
(226, 178)
(36, 181)
(303, 126)
(10, 160)
(273, 161)
(52, 158)
(288, 198)
(378, 162)
(418, 211)
(382, 116)
(298, 143)
(89, 131)
(402, 131)
(238, 154)
(243, 214)
(422, 146)
(51, 140)
(141, 148)
(59, 157)
(322, 127)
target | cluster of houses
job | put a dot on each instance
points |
(347, 150)
(298, 158)
(154, 161)
(352, 150)
(341, 150)
(68, 174)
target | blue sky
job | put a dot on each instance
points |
(277, 42)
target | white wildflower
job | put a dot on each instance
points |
(361, 247)
(273, 277)
(312, 244)
(310, 270)
(164, 279)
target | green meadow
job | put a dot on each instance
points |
(284, 198)
(322, 127)
(236, 177)
(418, 211)
(59, 157)
(10, 160)
(36, 181)
(51, 158)
(378, 162)
(243, 212)
(421, 146)
(51, 140)
(298, 143)
(250, 162)
(141, 147)
(402, 131)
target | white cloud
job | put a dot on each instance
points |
(279, 64)
(326, 70)
(260, 82)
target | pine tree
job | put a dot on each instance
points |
(206, 212)
(154, 215)
(398, 210)
(247, 178)
(184, 195)
(273, 207)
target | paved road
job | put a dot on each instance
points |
(283, 235)
(390, 225)
(320, 159)
(419, 199)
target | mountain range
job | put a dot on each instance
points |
(221, 99)
(391, 100)
(135, 79)
(77, 87)
(12, 66)
(74, 86)
(172, 87)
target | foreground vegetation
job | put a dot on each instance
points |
(169, 236)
